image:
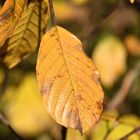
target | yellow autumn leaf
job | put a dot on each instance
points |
(132, 1)
(68, 80)
(106, 123)
(24, 40)
(131, 120)
(120, 131)
(114, 127)
(80, 2)
(9, 16)
(100, 131)
(132, 44)
(24, 109)
(109, 57)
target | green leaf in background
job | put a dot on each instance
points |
(113, 127)
(74, 135)
(121, 131)
(25, 111)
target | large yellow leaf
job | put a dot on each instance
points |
(68, 81)
(9, 16)
(25, 37)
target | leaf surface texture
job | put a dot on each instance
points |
(68, 81)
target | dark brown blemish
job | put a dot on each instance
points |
(79, 126)
(88, 108)
(6, 14)
(99, 105)
(59, 76)
(52, 35)
(79, 97)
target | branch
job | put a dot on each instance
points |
(3, 86)
(124, 90)
(52, 13)
(39, 21)
(6, 123)
(129, 134)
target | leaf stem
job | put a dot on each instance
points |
(121, 95)
(52, 13)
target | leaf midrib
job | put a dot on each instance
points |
(67, 67)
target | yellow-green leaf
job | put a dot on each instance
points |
(9, 16)
(121, 131)
(100, 131)
(74, 135)
(25, 37)
(68, 80)
(113, 127)
(24, 109)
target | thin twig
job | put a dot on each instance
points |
(52, 13)
(4, 83)
(124, 90)
(6, 123)
(39, 21)
(132, 132)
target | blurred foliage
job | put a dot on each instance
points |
(110, 31)
(112, 49)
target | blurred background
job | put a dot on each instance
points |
(110, 33)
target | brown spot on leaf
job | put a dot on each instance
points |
(79, 47)
(79, 97)
(95, 77)
(59, 76)
(46, 88)
(52, 35)
(6, 14)
(78, 124)
(99, 105)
